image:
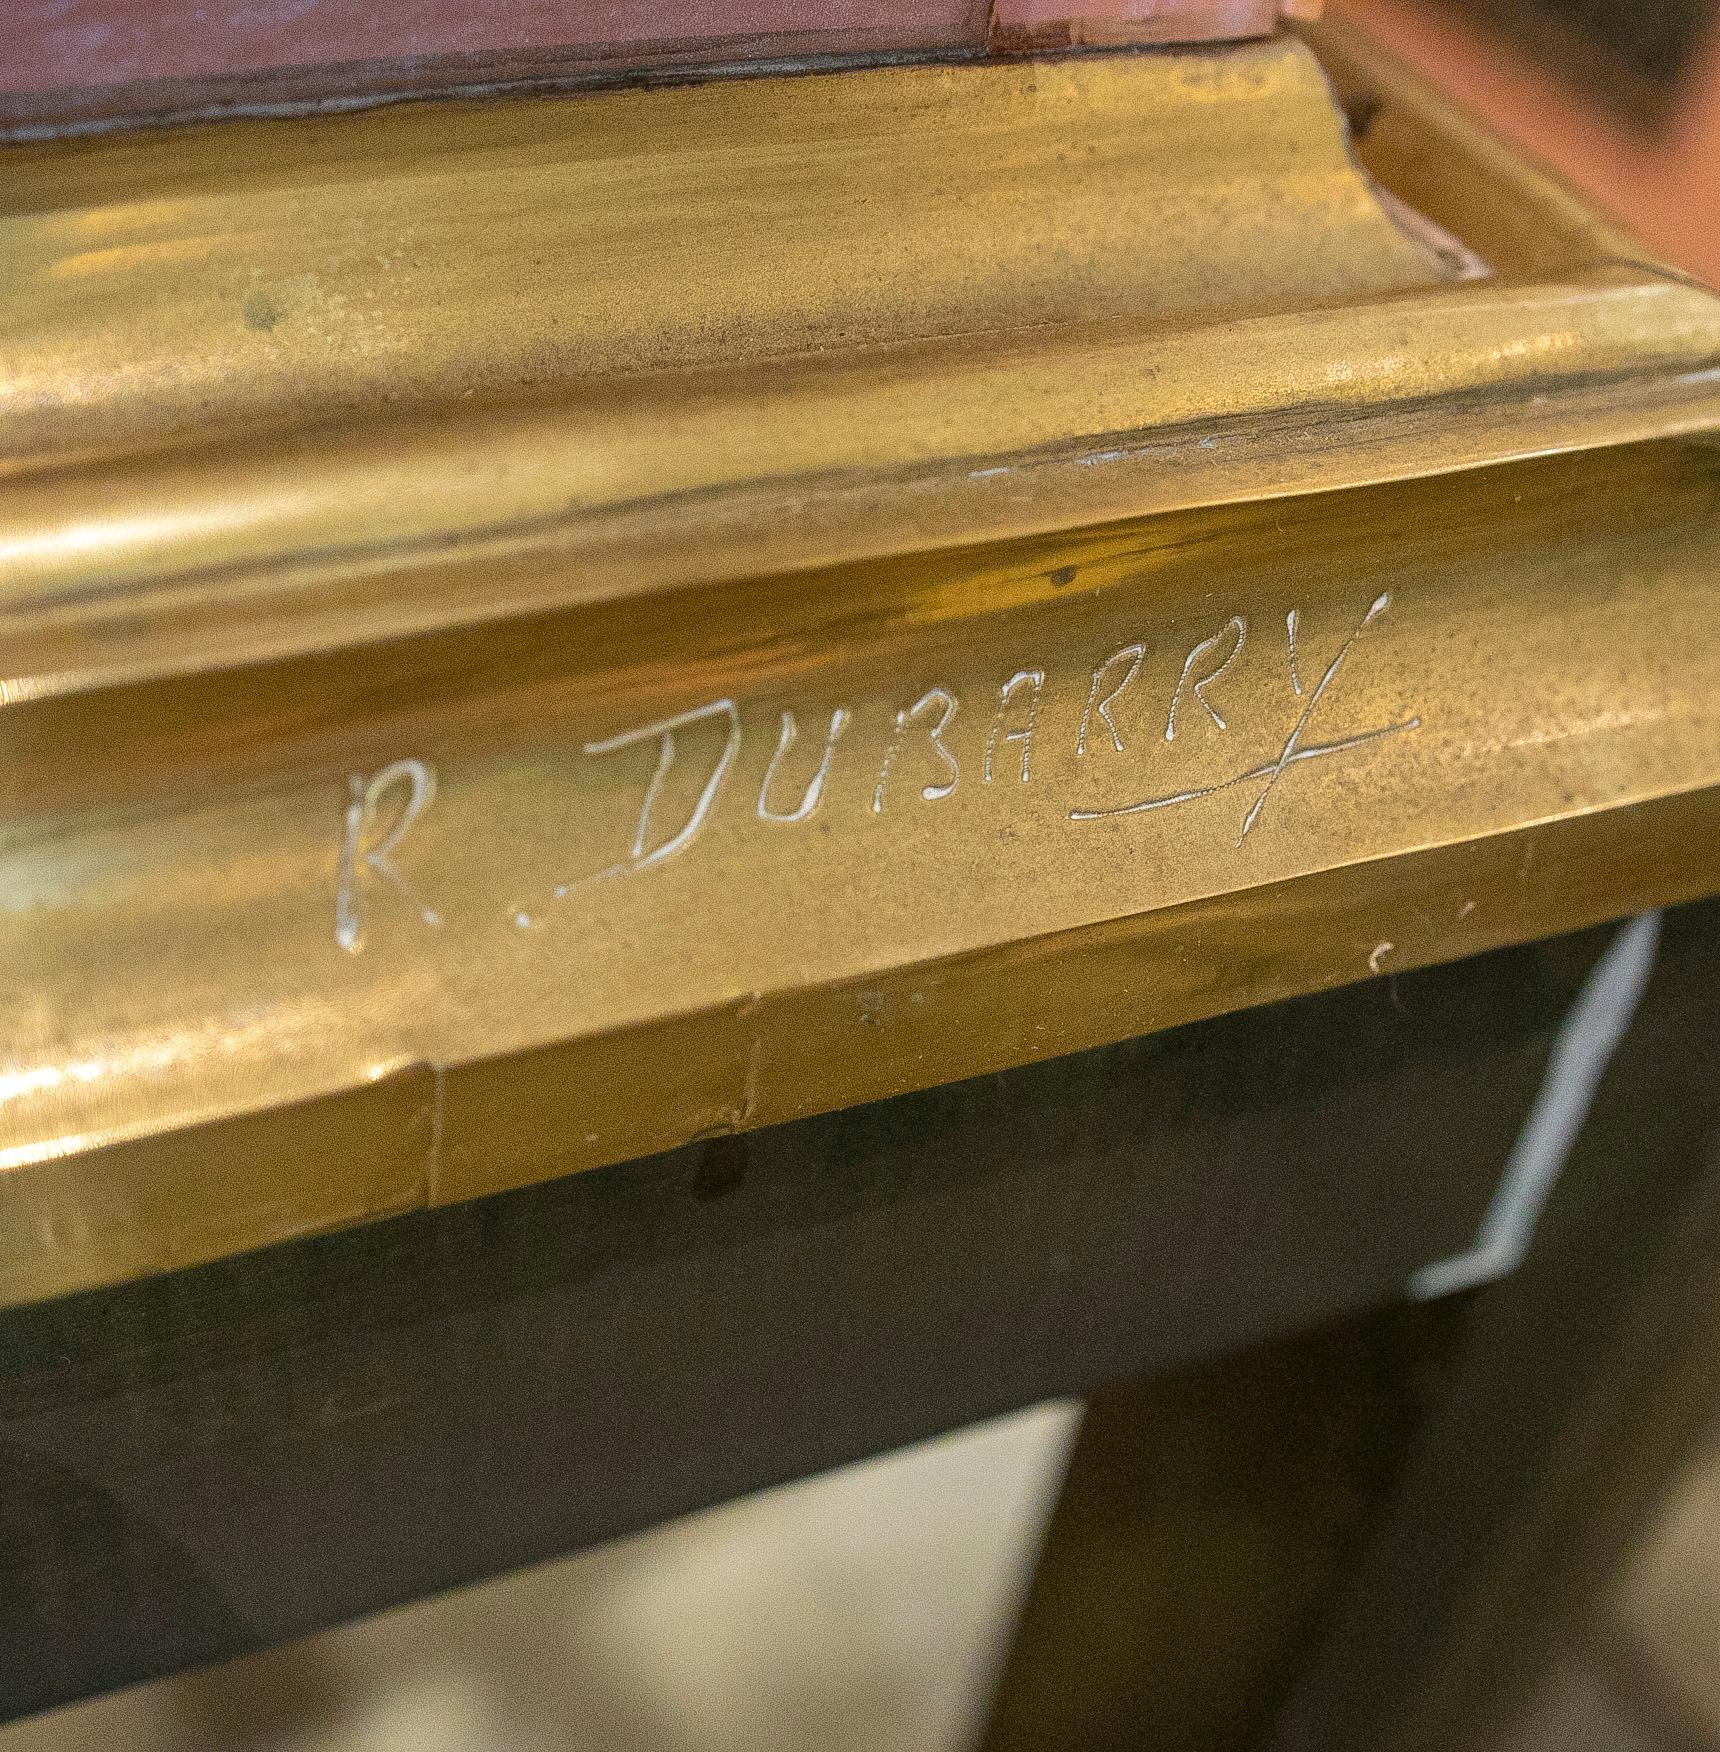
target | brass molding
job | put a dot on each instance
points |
(530, 633)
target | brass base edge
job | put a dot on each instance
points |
(171, 1201)
(326, 743)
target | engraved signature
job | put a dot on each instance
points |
(384, 808)
(1295, 749)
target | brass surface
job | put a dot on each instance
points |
(532, 633)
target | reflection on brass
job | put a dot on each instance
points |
(531, 633)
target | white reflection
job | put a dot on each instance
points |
(37, 1079)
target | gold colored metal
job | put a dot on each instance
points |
(531, 633)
